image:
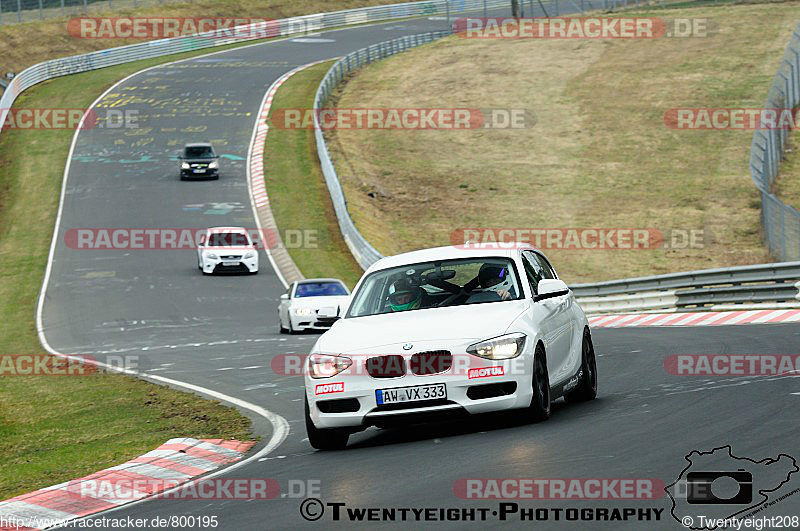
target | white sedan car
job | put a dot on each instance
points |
(446, 331)
(298, 307)
(227, 249)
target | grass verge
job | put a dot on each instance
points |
(599, 156)
(298, 195)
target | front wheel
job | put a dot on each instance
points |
(324, 439)
(539, 409)
(587, 387)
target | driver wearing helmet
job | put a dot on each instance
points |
(403, 295)
(495, 278)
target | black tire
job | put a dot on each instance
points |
(587, 387)
(324, 439)
(284, 330)
(539, 409)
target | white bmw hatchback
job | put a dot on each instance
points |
(447, 331)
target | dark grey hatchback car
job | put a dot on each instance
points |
(199, 161)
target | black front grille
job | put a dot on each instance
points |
(232, 257)
(391, 366)
(430, 362)
(339, 405)
(481, 392)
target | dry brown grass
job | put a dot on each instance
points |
(23, 45)
(599, 155)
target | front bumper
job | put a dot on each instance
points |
(248, 265)
(355, 406)
(307, 322)
(192, 174)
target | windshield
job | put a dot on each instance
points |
(436, 285)
(319, 289)
(228, 239)
(200, 152)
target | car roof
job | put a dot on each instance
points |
(450, 252)
(313, 280)
(198, 144)
(227, 229)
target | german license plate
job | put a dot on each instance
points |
(199, 171)
(230, 263)
(410, 394)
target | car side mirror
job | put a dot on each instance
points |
(285, 297)
(551, 287)
(328, 314)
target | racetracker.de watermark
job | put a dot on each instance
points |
(134, 488)
(705, 119)
(455, 119)
(583, 28)
(180, 238)
(69, 119)
(172, 27)
(46, 365)
(606, 238)
(559, 488)
(732, 364)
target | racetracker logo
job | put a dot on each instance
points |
(180, 238)
(732, 364)
(46, 365)
(559, 489)
(583, 28)
(573, 239)
(49, 118)
(409, 119)
(116, 489)
(730, 119)
(172, 27)
(464, 365)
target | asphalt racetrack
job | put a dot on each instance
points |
(221, 332)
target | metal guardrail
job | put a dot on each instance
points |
(364, 253)
(768, 284)
(284, 27)
(781, 222)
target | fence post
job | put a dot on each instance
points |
(62, 7)
(19, 11)
(485, 14)
(41, 15)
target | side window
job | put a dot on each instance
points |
(547, 270)
(533, 270)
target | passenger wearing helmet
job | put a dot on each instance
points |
(496, 278)
(403, 295)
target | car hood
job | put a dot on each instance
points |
(459, 323)
(320, 302)
(196, 161)
(227, 250)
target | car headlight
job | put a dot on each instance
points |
(499, 348)
(324, 366)
(212, 256)
(213, 165)
(250, 255)
(303, 311)
(185, 165)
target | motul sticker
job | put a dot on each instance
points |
(324, 389)
(485, 372)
